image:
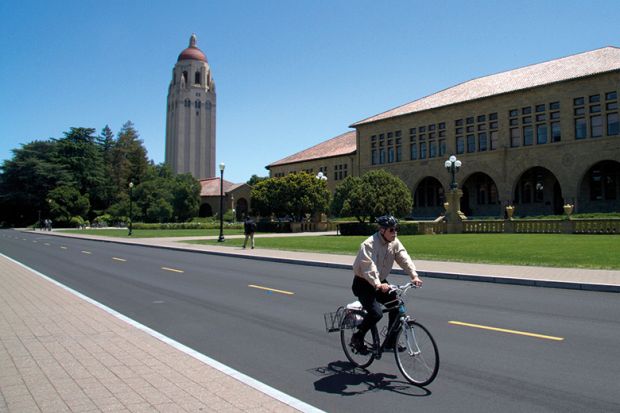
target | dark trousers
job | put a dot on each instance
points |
(371, 300)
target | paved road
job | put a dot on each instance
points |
(278, 338)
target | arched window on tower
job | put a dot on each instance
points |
(185, 76)
(198, 78)
(187, 103)
(197, 104)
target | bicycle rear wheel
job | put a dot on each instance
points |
(419, 362)
(347, 328)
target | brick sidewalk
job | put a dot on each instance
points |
(60, 353)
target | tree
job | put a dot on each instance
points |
(129, 158)
(25, 181)
(80, 155)
(295, 195)
(108, 191)
(185, 197)
(66, 202)
(374, 194)
(254, 179)
(348, 199)
(267, 198)
(160, 197)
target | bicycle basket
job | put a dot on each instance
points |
(333, 320)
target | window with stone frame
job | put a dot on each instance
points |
(611, 109)
(413, 144)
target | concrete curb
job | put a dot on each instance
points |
(430, 274)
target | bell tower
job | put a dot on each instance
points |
(190, 115)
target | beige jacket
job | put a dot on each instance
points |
(376, 257)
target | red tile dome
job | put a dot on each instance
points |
(192, 52)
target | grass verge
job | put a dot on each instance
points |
(154, 233)
(548, 250)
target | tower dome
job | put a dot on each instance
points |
(192, 52)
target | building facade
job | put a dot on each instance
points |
(190, 115)
(235, 197)
(535, 137)
(334, 158)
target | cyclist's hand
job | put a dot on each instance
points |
(417, 281)
(384, 288)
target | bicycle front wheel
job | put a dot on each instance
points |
(359, 358)
(419, 359)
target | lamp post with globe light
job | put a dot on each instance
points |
(454, 216)
(130, 207)
(453, 165)
(221, 237)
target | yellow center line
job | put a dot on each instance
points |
(86, 252)
(171, 269)
(118, 259)
(503, 330)
(270, 289)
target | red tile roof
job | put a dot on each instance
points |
(211, 187)
(597, 61)
(340, 145)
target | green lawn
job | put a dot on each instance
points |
(551, 250)
(155, 233)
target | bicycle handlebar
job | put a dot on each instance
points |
(402, 289)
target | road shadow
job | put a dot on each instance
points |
(343, 378)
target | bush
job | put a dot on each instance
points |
(186, 225)
(76, 222)
(357, 228)
(365, 228)
(278, 227)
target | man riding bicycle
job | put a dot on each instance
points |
(372, 265)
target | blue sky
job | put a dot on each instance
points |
(289, 74)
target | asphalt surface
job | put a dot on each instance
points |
(217, 306)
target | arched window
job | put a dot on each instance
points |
(197, 78)
(185, 76)
(482, 194)
(493, 199)
(197, 104)
(527, 192)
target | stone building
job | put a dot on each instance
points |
(335, 158)
(236, 197)
(190, 115)
(534, 137)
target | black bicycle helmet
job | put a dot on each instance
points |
(387, 221)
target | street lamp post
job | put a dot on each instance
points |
(321, 176)
(453, 165)
(130, 207)
(221, 238)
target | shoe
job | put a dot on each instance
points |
(358, 345)
(390, 347)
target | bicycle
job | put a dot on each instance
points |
(415, 349)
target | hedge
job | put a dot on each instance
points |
(278, 227)
(365, 228)
(186, 225)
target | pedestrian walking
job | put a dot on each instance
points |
(249, 227)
